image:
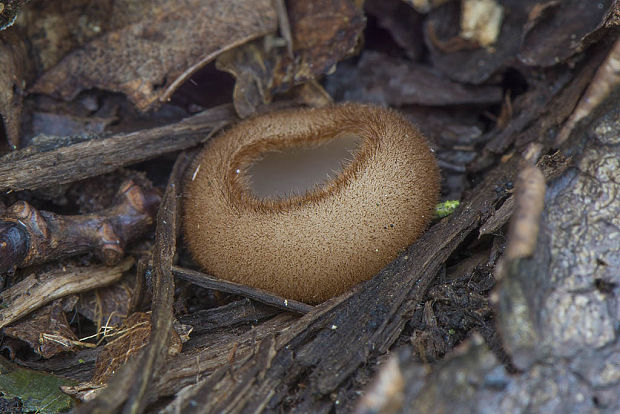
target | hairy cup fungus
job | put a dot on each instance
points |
(317, 237)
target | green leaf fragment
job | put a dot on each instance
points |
(39, 392)
(446, 208)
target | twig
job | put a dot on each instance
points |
(210, 282)
(529, 200)
(38, 290)
(285, 26)
(129, 389)
(26, 169)
(29, 236)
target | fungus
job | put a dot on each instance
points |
(313, 239)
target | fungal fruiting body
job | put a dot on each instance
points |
(320, 242)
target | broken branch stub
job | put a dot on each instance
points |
(29, 236)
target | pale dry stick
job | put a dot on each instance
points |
(67, 343)
(37, 290)
(284, 25)
(524, 225)
(606, 80)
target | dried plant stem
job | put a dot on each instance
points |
(36, 291)
(210, 282)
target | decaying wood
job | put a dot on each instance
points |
(31, 236)
(321, 349)
(547, 108)
(551, 166)
(326, 346)
(30, 169)
(38, 290)
(386, 393)
(217, 351)
(251, 357)
(130, 390)
(210, 282)
(240, 312)
(165, 248)
(213, 341)
(499, 218)
(605, 81)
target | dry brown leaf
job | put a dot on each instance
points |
(388, 80)
(324, 32)
(47, 330)
(56, 28)
(556, 30)
(106, 306)
(252, 68)
(147, 49)
(403, 23)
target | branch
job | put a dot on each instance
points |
(34, 168)
(210, 282)
(29, 236)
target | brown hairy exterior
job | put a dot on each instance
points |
(318, 245)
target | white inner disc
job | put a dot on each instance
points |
(295, 171)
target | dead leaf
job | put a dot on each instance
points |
(557, 31)
(402, 21)
(107, 306)
(468, 63)
(152, 47)
(47, 330)
(253, 71)
(56, 28)
(384, 79)
(324, 32)
(128, 340)
(62, 125)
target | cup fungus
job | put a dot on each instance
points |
(312, 239)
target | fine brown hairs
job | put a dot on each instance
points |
(317, 244)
